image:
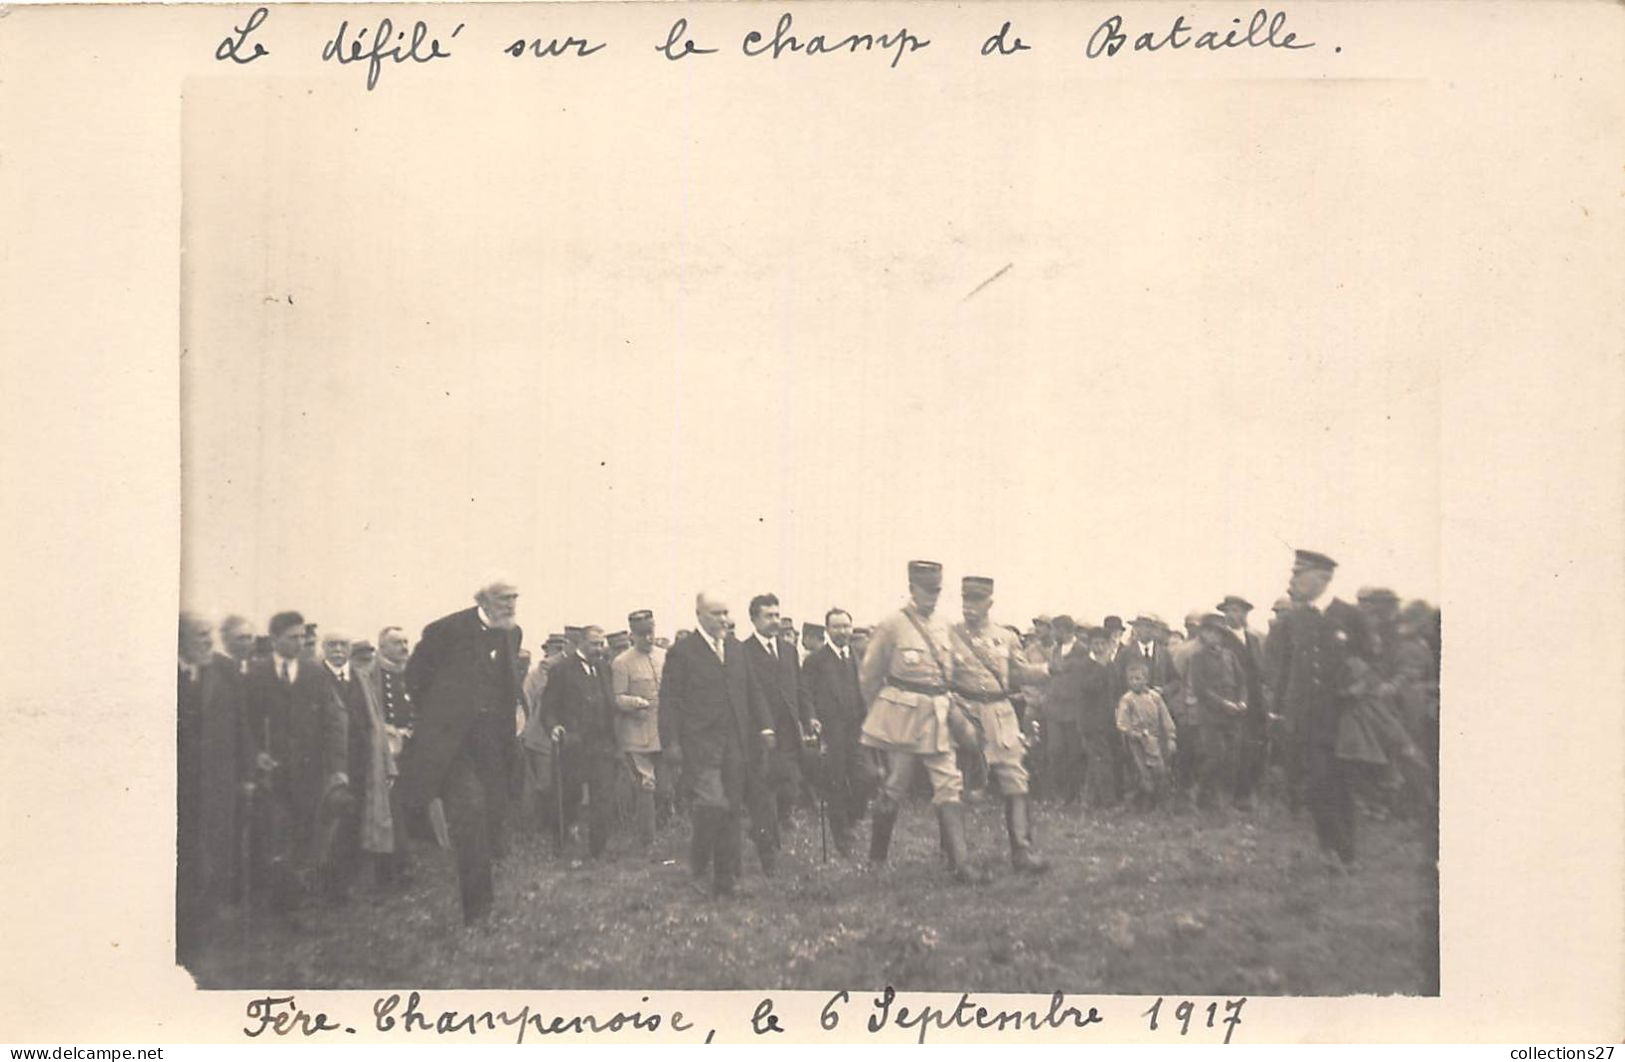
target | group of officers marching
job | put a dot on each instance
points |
(302, 757)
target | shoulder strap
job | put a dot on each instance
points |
(929, 644)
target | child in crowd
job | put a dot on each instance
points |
(1143, 719)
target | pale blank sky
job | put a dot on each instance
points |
(644, 342)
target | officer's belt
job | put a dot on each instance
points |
(916, 687)
(982, 696)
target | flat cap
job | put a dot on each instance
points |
(1282, 604)
(1215, 620)
(1375, 593)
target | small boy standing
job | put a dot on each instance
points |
(1148, 729)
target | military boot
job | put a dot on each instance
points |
(1019, 826)
(880, 827)
(952, 817)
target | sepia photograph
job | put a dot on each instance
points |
(695, 575)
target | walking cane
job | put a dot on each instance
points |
(558, 790)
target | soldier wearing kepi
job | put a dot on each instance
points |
(988, 663)
(635, 679)
(1315, 649)
(904, 680)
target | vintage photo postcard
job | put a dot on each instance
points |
(818, 522)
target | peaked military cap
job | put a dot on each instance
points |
(811, 628)
(1307, 560)
(925, 573)
(976, 586)
(642, 615)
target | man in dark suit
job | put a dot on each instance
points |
(1249, 650)
(463, 676)
(214, 759)
(712, 709)
(302, 732)
(777, 668)
(1148, 650)
(831, 678)
(575, 711)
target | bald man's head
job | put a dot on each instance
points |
(711, 610)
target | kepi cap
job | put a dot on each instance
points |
(1304, 560)
(925, 573)
(976, 587)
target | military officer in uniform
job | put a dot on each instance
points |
(1315, 648)
(987, 664)
(635, 682)
(904, 680)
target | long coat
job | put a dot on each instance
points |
(464, 679)
(214, 756)
(1312, 668)
(704, 703)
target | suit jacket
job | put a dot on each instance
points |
(1063, 696)
(705, 704)
(1097, 686)
(1159, 669)
(214, 755)
(358, 723)
(832, 691)
(580, 703)
(305, 728)
(464, 679)
(779, 679)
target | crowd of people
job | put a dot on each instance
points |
(307, 759)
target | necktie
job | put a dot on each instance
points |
(284, 664)
(773, 648)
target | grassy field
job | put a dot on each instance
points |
(1134, 904)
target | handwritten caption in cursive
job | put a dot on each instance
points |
(410, 1015)
(375, 48)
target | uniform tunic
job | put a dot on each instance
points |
(905, 683)
(637, 674)
(982, 694)
(904, 680)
